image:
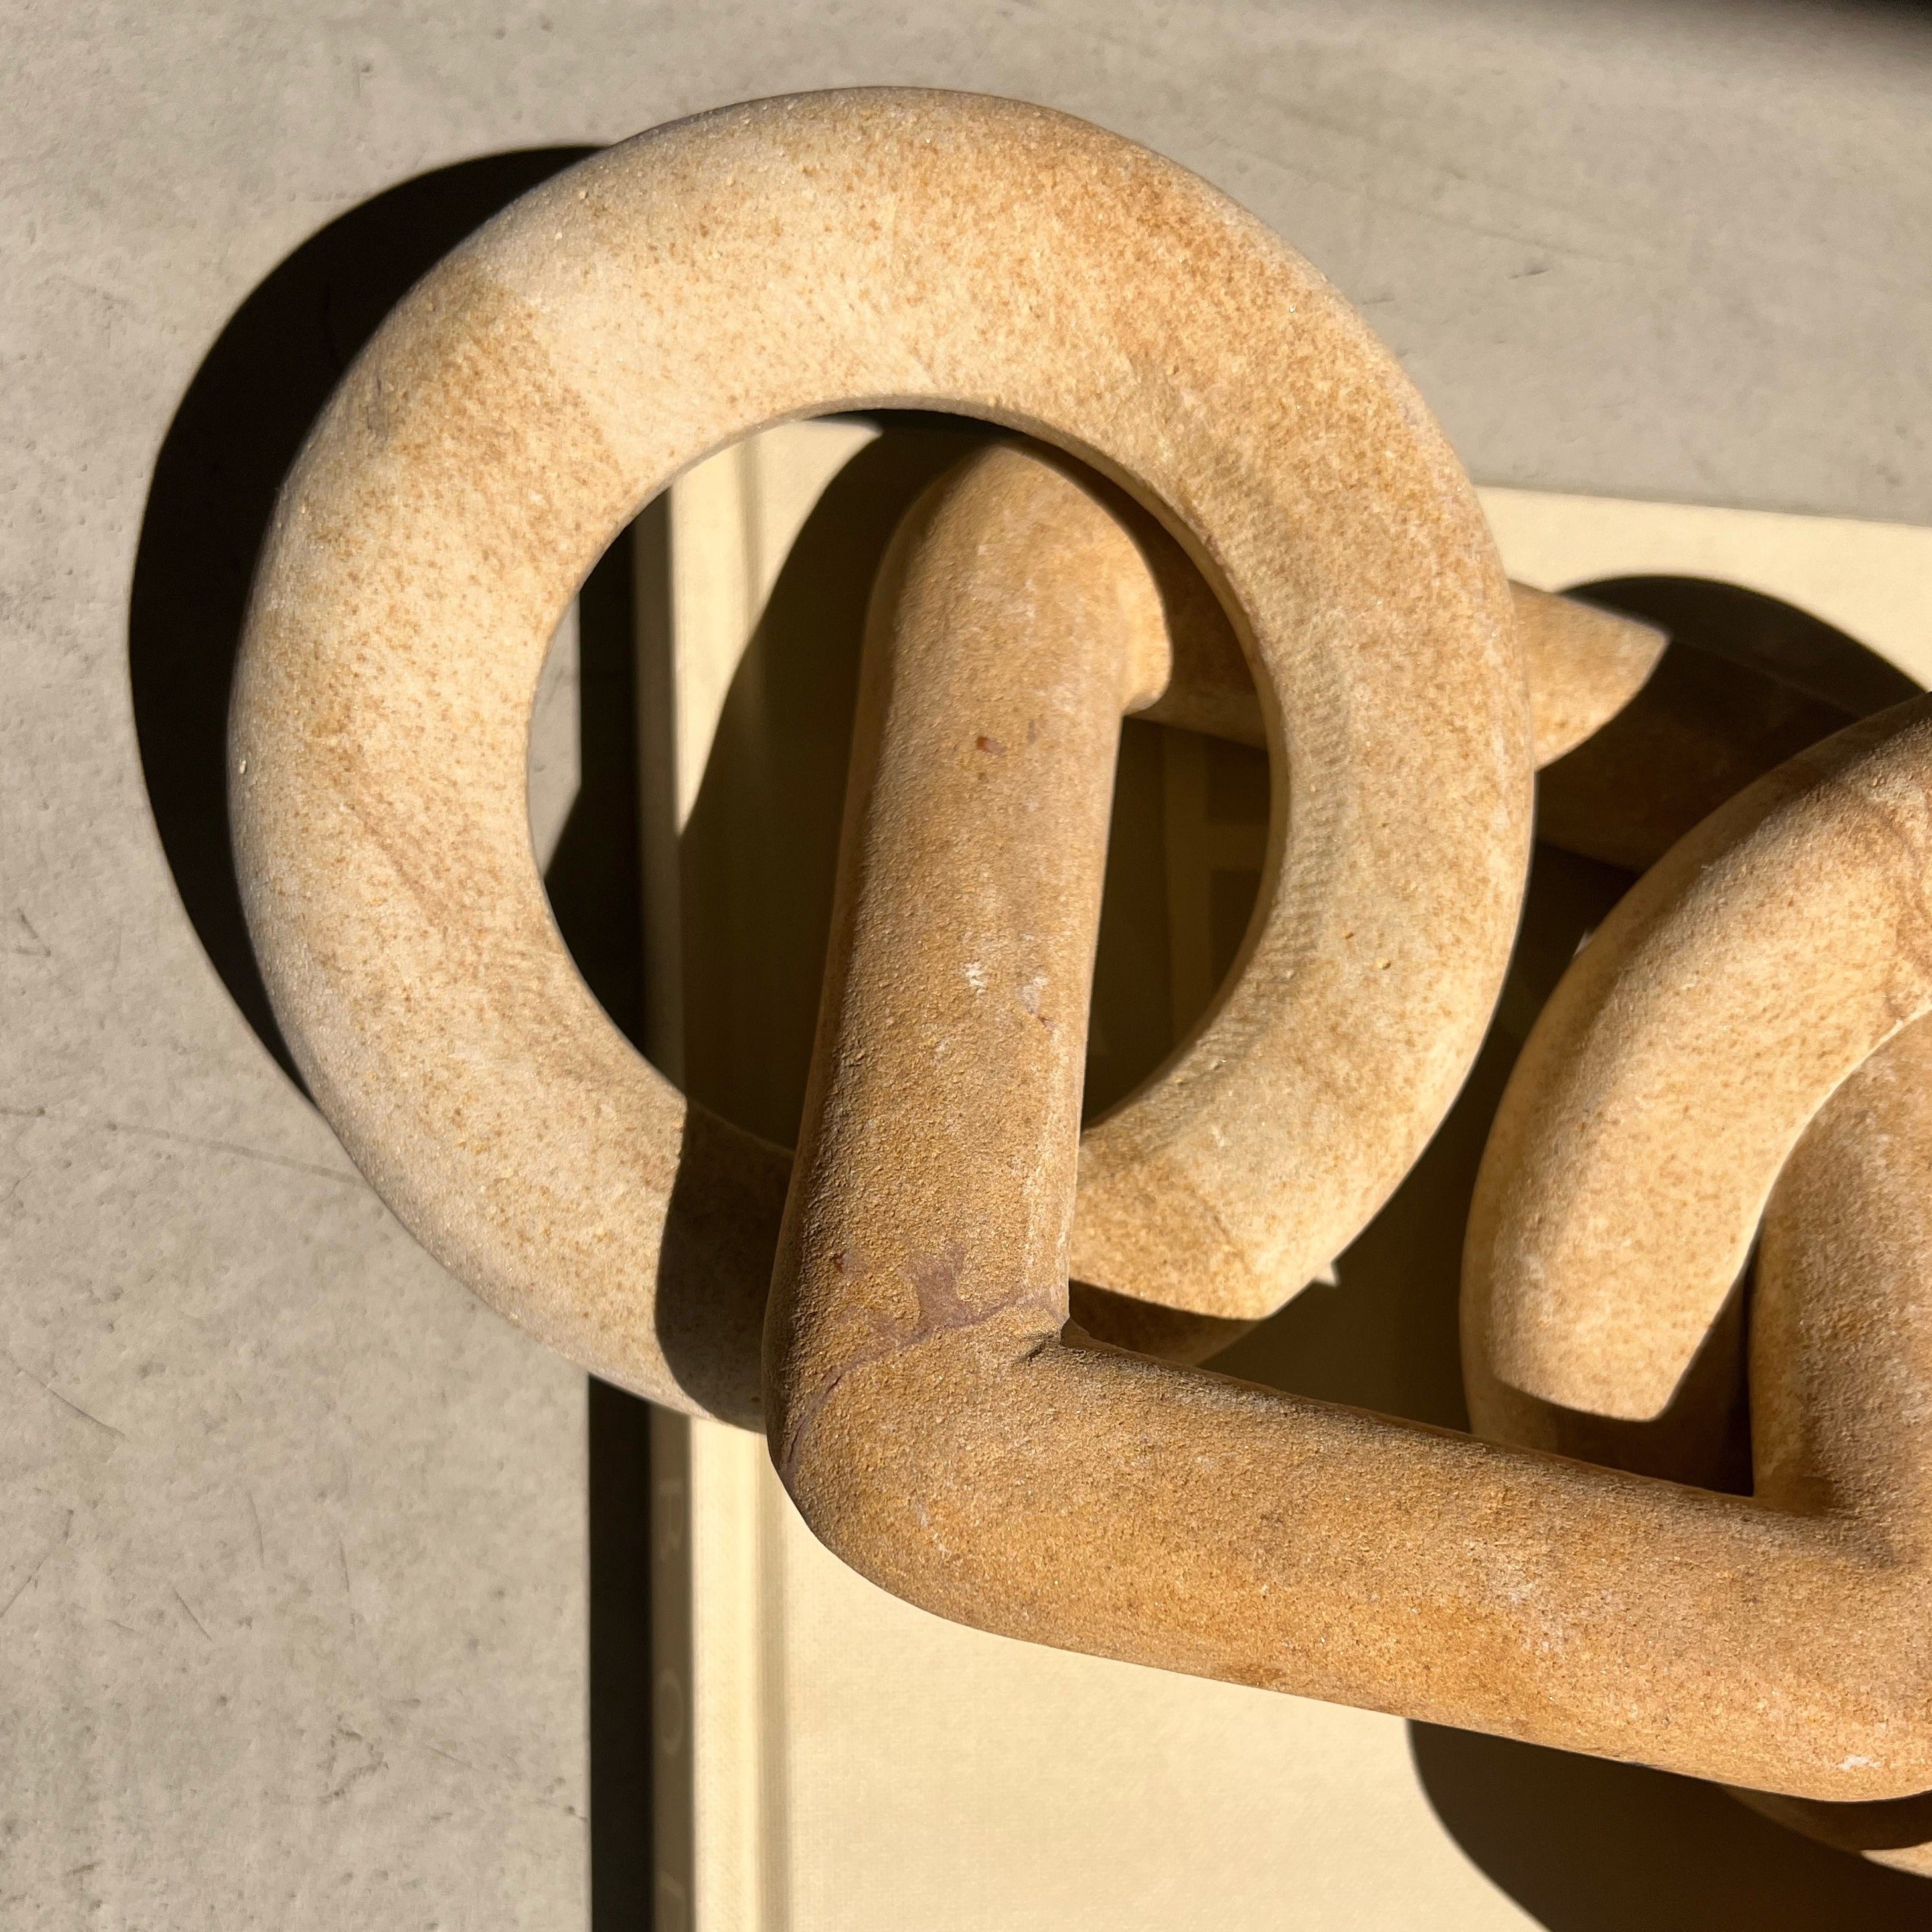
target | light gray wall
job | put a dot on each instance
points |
(291, 1601)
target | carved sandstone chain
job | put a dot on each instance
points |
(938, 1422)
(785, 259)
(1739, 1047)
(1582, 666)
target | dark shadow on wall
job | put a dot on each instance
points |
(216, 476)
(1585, 1845)
(231, 443)
(622, 1859)
(595, 883)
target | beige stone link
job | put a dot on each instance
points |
(938, 1433)
(841, 251)
(1768, 954)
(1841, 1360)
(780, 259)
(1583, 665)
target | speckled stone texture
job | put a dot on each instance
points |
(803, 255)
(1657, 285)
(937, 1432)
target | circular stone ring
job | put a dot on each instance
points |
(792, 258)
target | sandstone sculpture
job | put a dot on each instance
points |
(939, 1422)
(787, 258)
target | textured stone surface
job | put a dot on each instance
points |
(937, 1432)
(1745, 1033)
(803, 255)
(1584, 666)
(1762, 959)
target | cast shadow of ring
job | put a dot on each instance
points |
(216, 475)
(1586, 1845)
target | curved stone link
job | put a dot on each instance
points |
(1763, 958)
(938, 1433)
(791, 257)
(1841, 1359)
(941, 1423)
(1583, 665)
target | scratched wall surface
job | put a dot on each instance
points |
(291, 1533)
